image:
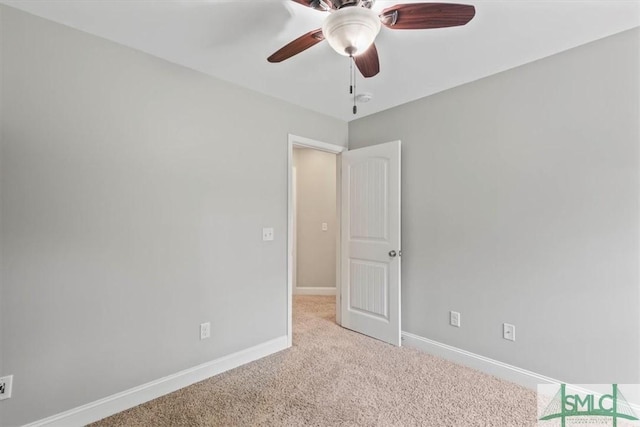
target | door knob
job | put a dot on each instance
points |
(392, 254)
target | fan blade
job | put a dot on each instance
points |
(317, 4)
(368, 63)
(416, 16)
(298, 45)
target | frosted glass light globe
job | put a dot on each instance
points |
(351, 30)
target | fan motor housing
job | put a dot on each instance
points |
(342, 3)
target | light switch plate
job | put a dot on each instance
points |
(267, 234)
(508, 332)
(5, 387)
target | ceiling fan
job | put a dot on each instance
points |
(352, 27)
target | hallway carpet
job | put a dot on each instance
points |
(335, 377)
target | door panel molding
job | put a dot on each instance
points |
(370, 240)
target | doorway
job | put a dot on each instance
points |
(316, 228)
(314, 222)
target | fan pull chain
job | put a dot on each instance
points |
(350, 75)
(353, 76)
(352, 83)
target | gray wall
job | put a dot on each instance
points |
(2, 371)
(520, 205)
(316, 203)
(133, 196)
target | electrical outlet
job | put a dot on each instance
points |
(325, 226)
(5, 387)
(205, 330)
(454, 318)
(508, 332)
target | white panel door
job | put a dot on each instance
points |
(370, 240)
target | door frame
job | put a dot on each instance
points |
(300, 141)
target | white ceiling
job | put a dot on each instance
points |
(232, 39)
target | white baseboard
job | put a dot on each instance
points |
(315, 290)
(119, 402)
(484, 364)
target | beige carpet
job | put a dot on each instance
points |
(331, 377)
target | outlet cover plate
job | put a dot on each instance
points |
(6, 384)
(454, 319)
(205, 330)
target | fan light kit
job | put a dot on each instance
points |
(351, 28)
(350, 31)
